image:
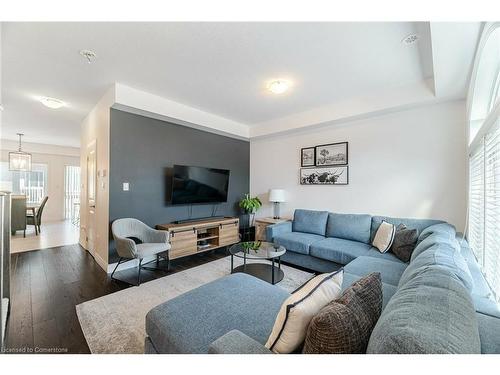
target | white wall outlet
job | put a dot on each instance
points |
(126, 186)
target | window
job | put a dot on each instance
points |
(72, 193)
(32, 184)
(483, 231)
(492, 207)
(476, 203)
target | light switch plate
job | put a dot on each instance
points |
(125, 186)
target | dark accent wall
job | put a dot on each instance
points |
(142, 153)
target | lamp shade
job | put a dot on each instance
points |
(276, 195)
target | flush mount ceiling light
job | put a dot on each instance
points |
(89, 55)
(52, 103)
(410, 39)
(19, 160)
(278, 86)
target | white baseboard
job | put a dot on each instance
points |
(101, 262)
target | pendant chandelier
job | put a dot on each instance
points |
(19, 160)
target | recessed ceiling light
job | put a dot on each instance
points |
(278, 86)
(52, 103)
(89, 55)
(410, 39)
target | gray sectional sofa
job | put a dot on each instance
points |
(437, 303)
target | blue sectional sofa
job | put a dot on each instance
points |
(437, 303)
(324, 241)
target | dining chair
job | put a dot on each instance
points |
(18, 214)
(37, 219)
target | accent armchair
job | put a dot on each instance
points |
(136, 240)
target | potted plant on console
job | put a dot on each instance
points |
(250, 206)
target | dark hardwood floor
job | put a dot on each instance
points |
(47, 284)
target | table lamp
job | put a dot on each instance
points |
(276, 196)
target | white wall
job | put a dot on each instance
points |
(410, 163)
(56, 158)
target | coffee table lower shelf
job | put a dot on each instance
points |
(262, 271)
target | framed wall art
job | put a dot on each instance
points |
(331, 154)
(325, 176)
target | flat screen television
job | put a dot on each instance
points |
(191, 185)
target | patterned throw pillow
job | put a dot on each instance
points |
(404, 242)
(344, 326)
(297, 311)
(384, 236)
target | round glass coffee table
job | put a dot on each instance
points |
(259, 250)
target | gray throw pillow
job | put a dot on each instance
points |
(404, 242)
(345, 325)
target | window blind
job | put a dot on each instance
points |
(491, 264)
(476, 203)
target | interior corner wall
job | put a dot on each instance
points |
(95, 127)
(411, 163)
(143, 150)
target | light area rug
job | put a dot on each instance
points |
(116, 323)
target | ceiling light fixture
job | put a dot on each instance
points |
(19, 160)
(410, 39)
(89, 55)
(278, 86)
(52, 103)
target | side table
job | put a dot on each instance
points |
(261, 225)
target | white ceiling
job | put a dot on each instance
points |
(221, 68)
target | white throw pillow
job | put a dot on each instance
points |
(384, 237)
(297, 311)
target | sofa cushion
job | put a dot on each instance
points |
(390, 271)
(338, 250)
(489, 332)
(384, 237)
(481, 287)
(297, 241)
(190, 322)
(418, 224)
(444, 229)
(374, 253)
(404, 242)
(355, 227)
(344, 326)
(299, 308)
(487, 306)
(431, 241)
(443, 256)
(308, 221)
(388, 290)
(431, 313)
